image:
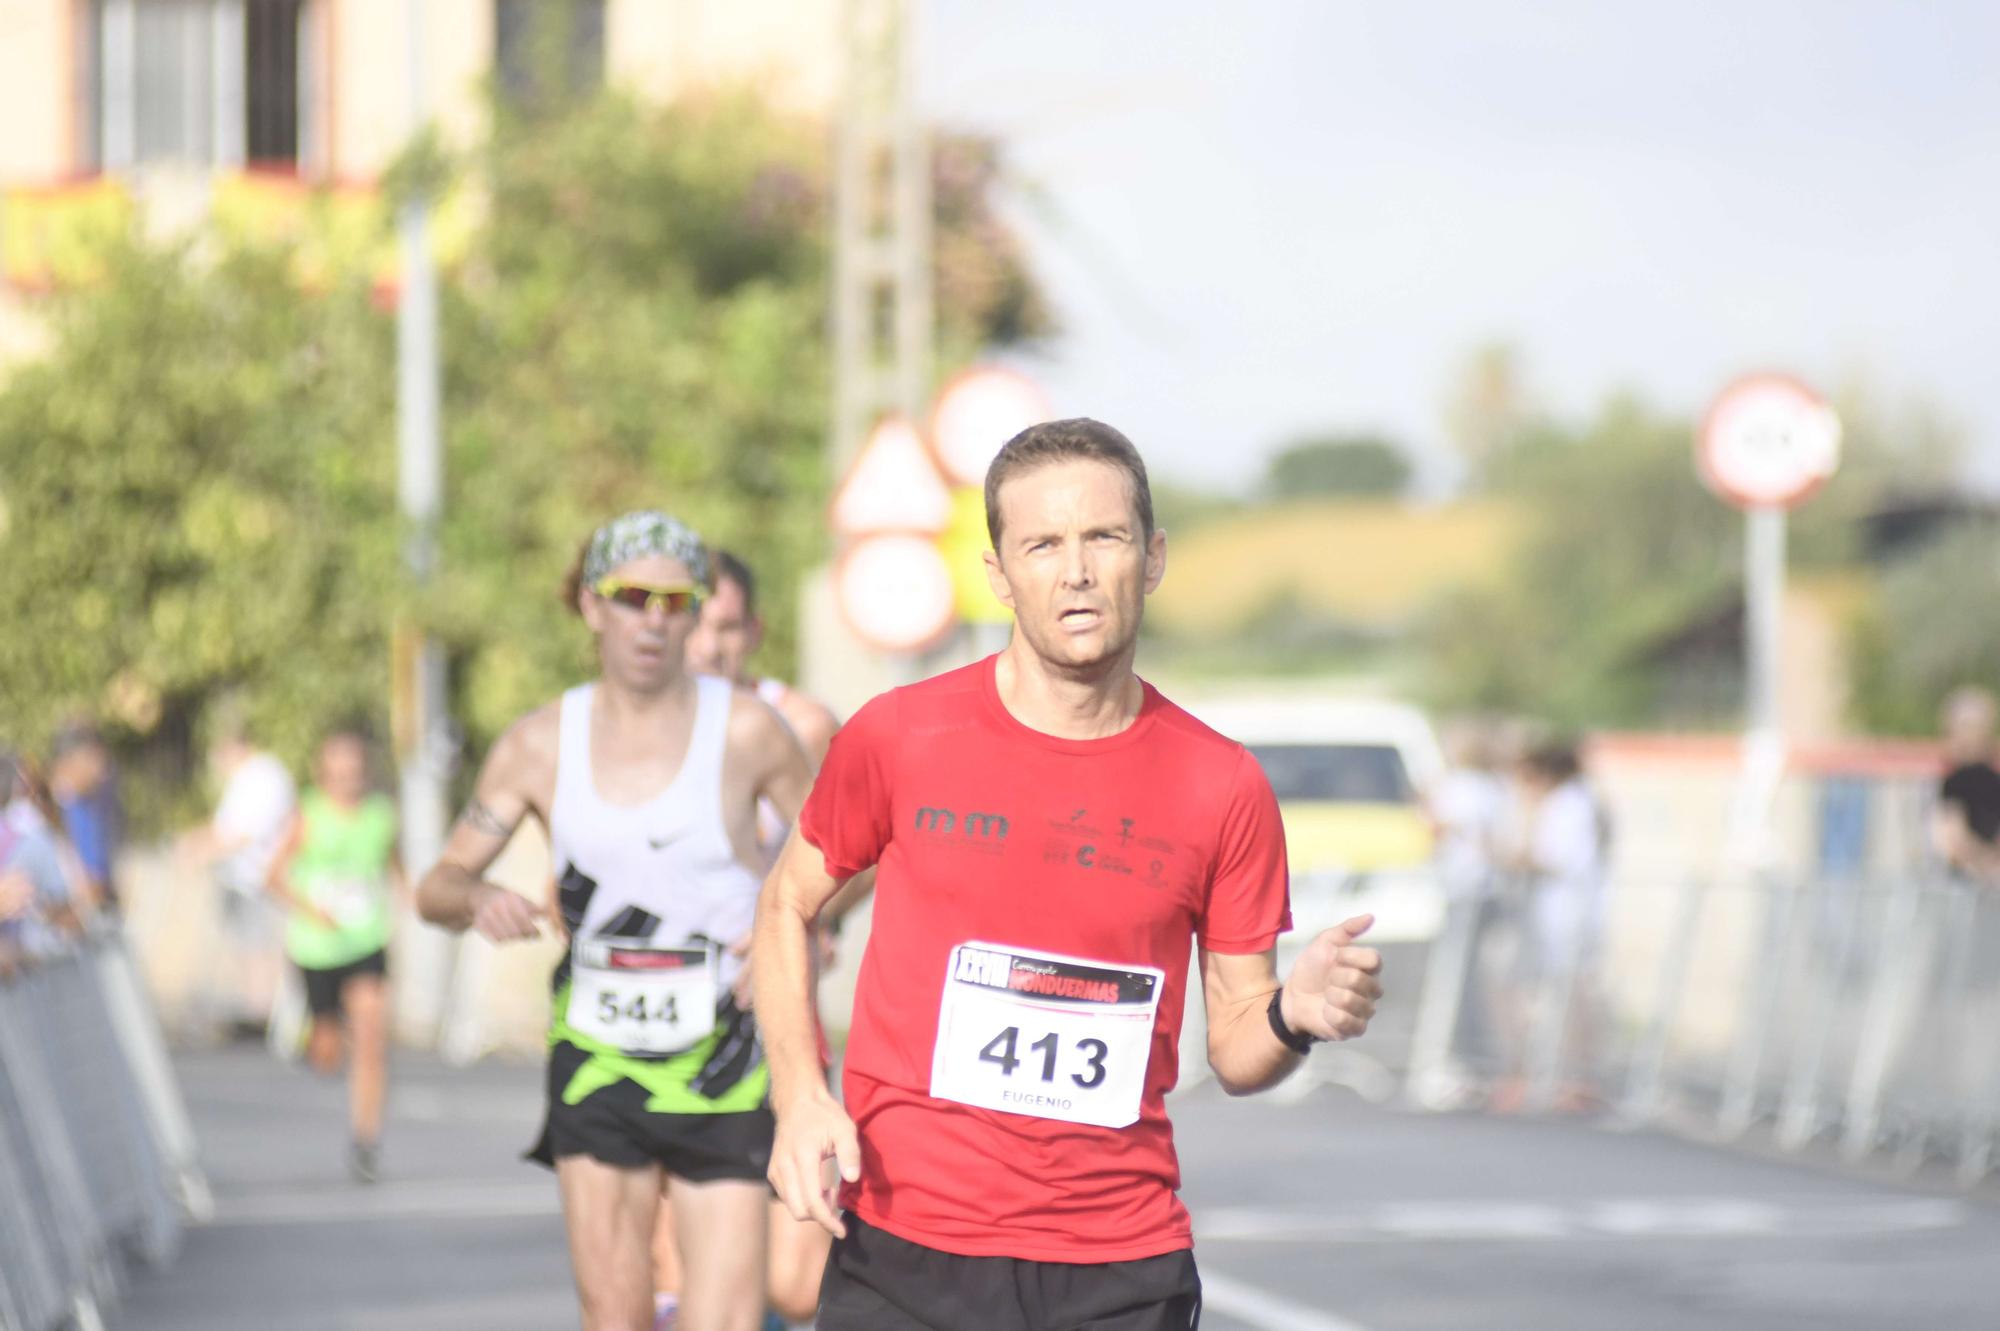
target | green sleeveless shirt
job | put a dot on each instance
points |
(343, 868)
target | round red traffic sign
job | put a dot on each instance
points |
(979, 411)
(895, 591)
(1768, 441)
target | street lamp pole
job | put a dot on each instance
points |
(423, 732)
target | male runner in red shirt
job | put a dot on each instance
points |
(1050, 833)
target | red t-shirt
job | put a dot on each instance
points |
(1117, 850)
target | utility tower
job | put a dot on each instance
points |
(882, 319)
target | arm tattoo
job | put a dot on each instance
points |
(482, 819)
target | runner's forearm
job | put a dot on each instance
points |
(1244, 1053)
(448, 896)
(281, 890)
(782, 978)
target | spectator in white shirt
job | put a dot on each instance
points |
(1469, 808)
(237, 846)
(1564, 858)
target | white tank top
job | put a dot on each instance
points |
(662, 870)
(771, 825)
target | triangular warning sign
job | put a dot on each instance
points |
(893, 487)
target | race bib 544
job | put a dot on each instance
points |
(642, 999)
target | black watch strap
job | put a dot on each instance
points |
(1293, 1040)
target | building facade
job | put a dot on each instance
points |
(162, 106)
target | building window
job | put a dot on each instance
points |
(271, 80)
(539, 42)
(203, 82)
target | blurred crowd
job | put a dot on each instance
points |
(61, 823)
(1965, 829)
(1523, 850)
(1523, 847)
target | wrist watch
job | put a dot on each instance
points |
(1296, 1041)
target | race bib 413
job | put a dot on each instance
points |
(1050, 1036)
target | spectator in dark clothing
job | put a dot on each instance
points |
(1967, 827)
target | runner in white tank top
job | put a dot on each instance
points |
(662, 871)
(648, 782)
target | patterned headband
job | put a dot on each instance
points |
(642, 535)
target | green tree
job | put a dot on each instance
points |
(1625, 548)
(1927, 630)
(1338, 465)
(201, 500)
(198, 478)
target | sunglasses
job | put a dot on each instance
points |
(638, 596)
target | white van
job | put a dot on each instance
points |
(1349, 776)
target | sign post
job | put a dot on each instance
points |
(1767, 444)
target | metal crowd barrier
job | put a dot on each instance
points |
(1851, 1013)
(98, 1165)
(1376, 1067)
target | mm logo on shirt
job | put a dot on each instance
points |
(973, 831)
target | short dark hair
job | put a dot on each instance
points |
(1079, 438)
(349, 727)
(1555, 761)
(728, 568)
(571, 589)
(74, 735)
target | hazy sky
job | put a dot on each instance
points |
(1263, 218)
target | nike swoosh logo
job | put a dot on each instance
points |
(662, 843)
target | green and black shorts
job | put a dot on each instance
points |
(703, 1115)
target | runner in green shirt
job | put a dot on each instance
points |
(336, 871)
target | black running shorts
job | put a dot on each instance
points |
(323, 986)
(877, 1282)
(613, 1125)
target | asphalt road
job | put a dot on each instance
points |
(1327, 1215)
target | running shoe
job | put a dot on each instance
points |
(363, 1160)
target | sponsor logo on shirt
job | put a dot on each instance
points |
(1075, 824)
(623, 959)
(975, 830)
(1095, 857)
(1075, 982)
